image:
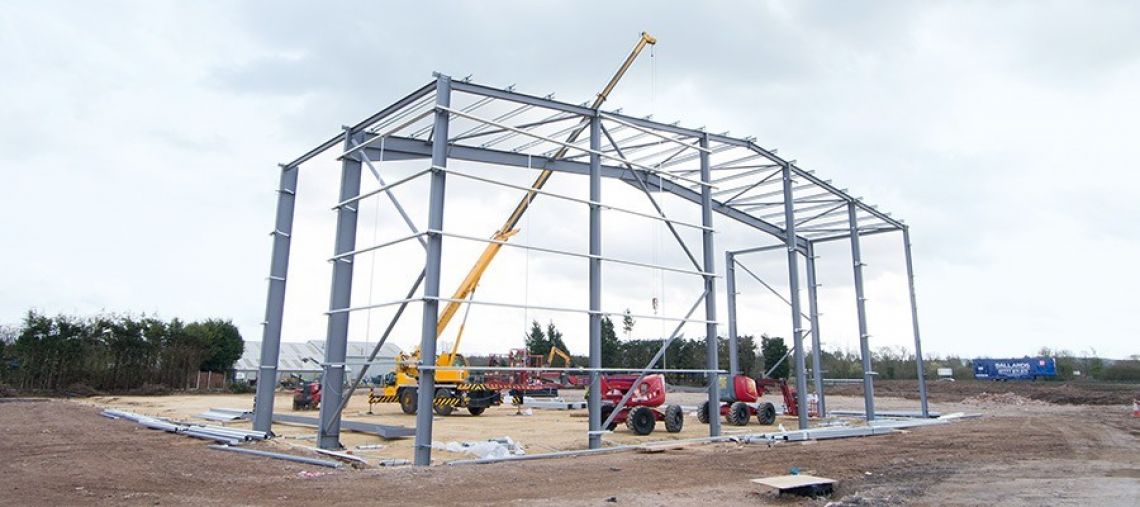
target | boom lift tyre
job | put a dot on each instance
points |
(738, 414)
(641, 420)
(742, 400)
(674, 418)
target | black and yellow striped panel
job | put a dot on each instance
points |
(496, 386)
(472, 387)
(447, 401)
(383, 399)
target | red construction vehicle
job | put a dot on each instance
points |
(743, 401)
(307, 395)
(640, 413)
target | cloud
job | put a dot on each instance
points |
(141, 143)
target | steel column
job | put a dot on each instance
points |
(794, 296)
(914, 320)
(861, 307)
(336, 341)
(275, 301)
(816, 348)
(733, 344)
(595, 401)
(711, 362)
(426, 394)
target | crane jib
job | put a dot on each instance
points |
(507, 230)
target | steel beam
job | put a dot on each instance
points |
(861, 308)
(404, 147)
(595, 267)
(712, 363)
(794, 297)
(511, 96)
(730, 284)
(336, 341)
(816, 347)
(914, 321)
(275, 300)
(398, 105)
(426, 389)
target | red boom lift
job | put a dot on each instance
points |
(640, 413)
(743, 401)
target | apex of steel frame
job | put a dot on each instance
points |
(460, 120)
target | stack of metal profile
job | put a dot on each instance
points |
(228, 436)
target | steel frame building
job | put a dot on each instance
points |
(445, 120)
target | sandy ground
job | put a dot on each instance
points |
(62, 452)
(541, 431)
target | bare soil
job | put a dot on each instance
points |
(63, 452)
(1065, 393)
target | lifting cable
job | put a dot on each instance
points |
(526, 270)
(372, 262)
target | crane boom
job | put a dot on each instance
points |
(467, 287)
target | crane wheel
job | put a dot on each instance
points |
(703, 413)
(737, 414)
(476, 410)
(442, 410)
(641, 420)
(766, 414)
(674, 418)
(408, 401)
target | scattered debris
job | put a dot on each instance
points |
(553, 403)
(305, 474)
(228, 436)
(343, 456)
(279, 455)
(394, 462)
(799, 484)
(226, 414)
(370, 447)
(882, 413)
(494, 448)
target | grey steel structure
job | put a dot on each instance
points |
(459, 120)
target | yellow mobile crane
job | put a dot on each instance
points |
(452, 386)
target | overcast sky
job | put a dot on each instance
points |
(140, 141)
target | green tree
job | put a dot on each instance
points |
(611, 346)
(773, 350)
(747, 355)
(536, 342)
(554, 338)
(223, 343)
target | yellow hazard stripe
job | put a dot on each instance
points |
(446, 402)
(383, 399)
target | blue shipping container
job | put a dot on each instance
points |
(1027, 368)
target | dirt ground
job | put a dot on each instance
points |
(1018, 453)
(1067, 393)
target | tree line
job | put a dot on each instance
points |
(111, 352)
